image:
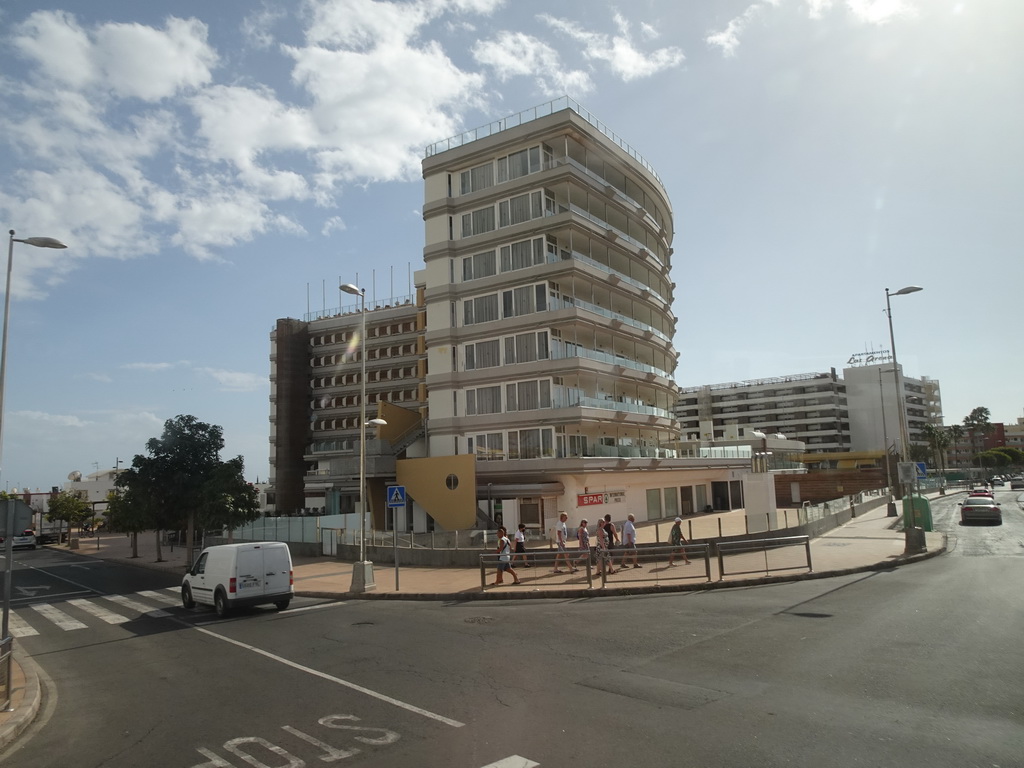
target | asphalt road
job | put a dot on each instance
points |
(918, 666)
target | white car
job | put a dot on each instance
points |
(24, 539)
(230, 575)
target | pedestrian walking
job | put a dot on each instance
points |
(504, 558)
(629, 550)
(601, 551)
(613, 539)
(583, 537)
(561, 536)
(520, 554)
(677, 540)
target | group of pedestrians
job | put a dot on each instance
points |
(608, 540)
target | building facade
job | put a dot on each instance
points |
(532, 372)
(858, 411)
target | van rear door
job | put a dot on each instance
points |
(249, 573)
(277, 570)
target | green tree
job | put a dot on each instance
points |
(121, 518)
(1015, 455)
(993, 458)
(183, 480)
(67, 507)
(956, 434)
(938, 442)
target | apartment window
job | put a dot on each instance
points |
(520, 163)
(477, 178)
(525, 253)
(482, 309)
(524, 300)
(526, 347)
(483, 400)
(478, 222)
(521, 208)
(489, 447)
(483, 354)
(478, 266)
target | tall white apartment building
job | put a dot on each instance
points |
(535, 368)
(549, 322)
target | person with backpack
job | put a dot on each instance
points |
(504, 558)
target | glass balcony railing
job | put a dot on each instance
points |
(563, 350)
(565, 302)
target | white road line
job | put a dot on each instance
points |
(100, 613)
(58, 617)
(338, 680)
(19, 628)
(159, 597)
(135, 605)
(513, 762)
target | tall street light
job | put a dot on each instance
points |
(891, 505)
(362, 572)
(898, 378)
(38, 242)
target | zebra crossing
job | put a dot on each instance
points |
(81, 613)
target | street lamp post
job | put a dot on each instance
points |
(904, 451)
(362, 572)
(6, 642)
(891, 505)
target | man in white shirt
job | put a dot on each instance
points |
(561, 534)
(629, 551)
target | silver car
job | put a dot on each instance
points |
(980, 508)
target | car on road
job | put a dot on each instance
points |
(975, 509)
(996, 481)
(25, 539)
(981, 492)
(1017, 484)
(230, 575)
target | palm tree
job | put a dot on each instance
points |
(938, 441)
(956, 434)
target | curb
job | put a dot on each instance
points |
(32, 698)
(653, 589)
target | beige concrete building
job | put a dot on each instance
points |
(539, 346)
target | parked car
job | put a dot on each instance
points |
(1017, 484)
(996, 481)
(24, 539)
(230, 575)
(980, 508)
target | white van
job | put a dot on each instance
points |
(230, 575)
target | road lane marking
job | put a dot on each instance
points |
(58, 617)
(160, 598)
(333, 679)
(515, 761)
(19, 628)
(135, 605)
(100, 613)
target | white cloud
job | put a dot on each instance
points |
(128, 60)
(619, 51)
(150, 366)
(236, 381)
(52, 419)
(729, 38)
(515, 54)
(332, 225)
(880, 11)
(152, 150)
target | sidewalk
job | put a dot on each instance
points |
(863, 544)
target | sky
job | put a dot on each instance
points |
(213, 167)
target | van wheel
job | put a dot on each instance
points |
(220, 604)
(186, 597)
(282, 604)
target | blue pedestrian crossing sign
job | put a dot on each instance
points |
(396, 496)
(922, 470)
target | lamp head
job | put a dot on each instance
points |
(39, 242)
(376, 423)
(353, 289)
(908, 289)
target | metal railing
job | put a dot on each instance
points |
(6, 652)
(634, 567)
(743, 554)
